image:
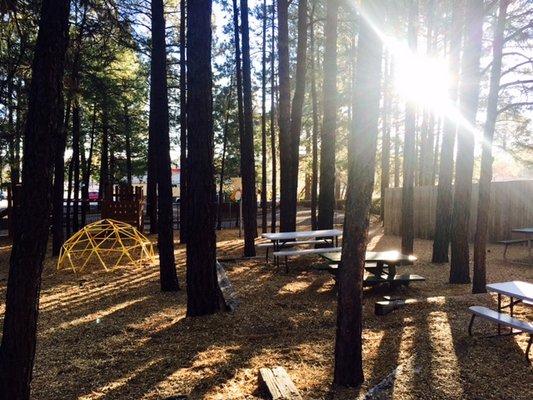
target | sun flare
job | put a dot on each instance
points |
(421, 79)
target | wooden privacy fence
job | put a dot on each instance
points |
(511, 207)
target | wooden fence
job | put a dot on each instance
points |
(511, 207)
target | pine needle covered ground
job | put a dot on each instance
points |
(116, 336)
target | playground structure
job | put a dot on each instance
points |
(124, 203)
(107, 243)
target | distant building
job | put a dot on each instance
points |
(141, 181)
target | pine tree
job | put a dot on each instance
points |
(202, 286)
(43, 121)
(361, 158)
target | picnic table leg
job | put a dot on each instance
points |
(471, 324)
(379, 270)
(337, 241)
(529, 346)
(499, 310)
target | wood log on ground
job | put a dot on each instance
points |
(278, 384)
(376, 391)
(227, 293)
(389, 304)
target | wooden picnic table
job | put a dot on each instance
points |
(385, 264)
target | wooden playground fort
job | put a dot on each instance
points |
(124, 203)
(120, 202)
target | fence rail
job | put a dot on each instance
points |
(511, 207)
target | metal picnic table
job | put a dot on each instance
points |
(517, 292)
(280, 240)
(385, 265)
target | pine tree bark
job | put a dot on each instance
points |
(469, 98)
(159, 130)
(58, 190)
(361, 167)
(483, 206)
(76, 126)
(44, 117)
(202, 286)
(104, 150)
(385, 142)
(249, 195)
(87, 171)
(127, 134)
(264, 211)
(326, 195)
(151, 184)
(296, 114)
(397, 141)
(223, 160)
(443, 216)
(284, 110)
(183, 122)
(68, 211)
(273, 206)
(314, 135)
(409, 148)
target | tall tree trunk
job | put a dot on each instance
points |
(151, 184)
(68, 211)
(443, 216)
(361, 167)
(249, 199)
(314, 135)
(273, 205)
(238, 72)
(159, 130)
(409, 148)
(87, 171)
(127, 133)
(223, 161)
(17, 351)
(14, 167)
(385, 142)
(284, 107)
(264, 211)
(480, 246)
(326, 195)
(397, 140)
(58, 190)
(202, 286)
(469, 99)
(76, 123)
(296, 113)
(104, 151)
(183, 122)
(76, 126)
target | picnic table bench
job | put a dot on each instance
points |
(509, 242)
(518, 292)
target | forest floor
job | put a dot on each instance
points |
(114, 335)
